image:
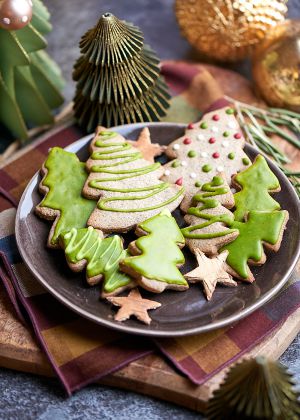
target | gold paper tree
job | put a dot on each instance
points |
(255, 389)
(118, 77)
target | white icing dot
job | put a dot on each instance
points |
(6, 20)
(231, 124)
(183, 163)
(200, 137)
(176, 146)
(193, 175)
(225, 143)
(220, 168)
(203, 154)
(24, 19)
(233, 190)
(167, 172)
(49, 150)
(214, 129)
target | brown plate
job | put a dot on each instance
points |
(181, 313)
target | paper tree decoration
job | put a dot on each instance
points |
(117, 77)
(30, 81)
(255, 389)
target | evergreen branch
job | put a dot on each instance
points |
(260, 124)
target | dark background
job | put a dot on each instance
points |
(24, 396)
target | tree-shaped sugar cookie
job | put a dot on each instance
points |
(257, 182)
(208, 147)
(64, 177)
(210, 220)
(261, 228)
(127, 186)
(157, 255)
(101, 257)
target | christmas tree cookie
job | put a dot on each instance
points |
(257, 182)
(210, 220)
(85, 248)
(127, 186)
(157, 255)
(63, 178)
(261, 228)
(208, 147)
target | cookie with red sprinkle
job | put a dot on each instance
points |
(209, 147)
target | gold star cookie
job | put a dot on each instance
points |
(133, 304)
(210, 271)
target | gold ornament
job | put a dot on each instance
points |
(15, 14)
(276, 66)
(227, 30)
(255, 389)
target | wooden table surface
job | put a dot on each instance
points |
(31, 397)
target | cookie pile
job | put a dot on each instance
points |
(229, 213)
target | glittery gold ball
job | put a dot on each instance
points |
(227, 30)
(276, 66)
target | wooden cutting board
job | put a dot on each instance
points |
(151, 375)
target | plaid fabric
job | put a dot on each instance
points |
(80, 351)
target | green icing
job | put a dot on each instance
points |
(204, 125)
(210, 189)
(110, 156)
(245, 161)
(192, 153)
(102, 256)
(231, 155)
(206, 168)
(160, 253)
(197, 184)
(256, 181)
(175, 164)
(226, 134)
(260, 226)
(230, 111)
(65, 179)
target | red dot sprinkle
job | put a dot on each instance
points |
(216, 155)
(216, 117)
(237, 136)
(187, 141)
(190, 126)
(212, 140)
(179, 181)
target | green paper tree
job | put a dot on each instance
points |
(261, 227)
(30, 81)
(100, 256)
(118, 77)
(64, 177)
(159, 250)
(256, 182)
(255, 389)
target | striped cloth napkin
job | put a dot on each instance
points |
(82, 352)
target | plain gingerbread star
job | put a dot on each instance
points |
(143, 143)
(133, 304)
(210, 271)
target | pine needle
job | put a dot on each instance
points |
(260, 124)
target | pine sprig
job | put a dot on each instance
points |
(260, 124)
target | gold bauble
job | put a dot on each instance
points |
(227, 30)
(276, 66)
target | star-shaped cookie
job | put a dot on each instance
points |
(210, 271)
(149, 150)
(133, 304)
